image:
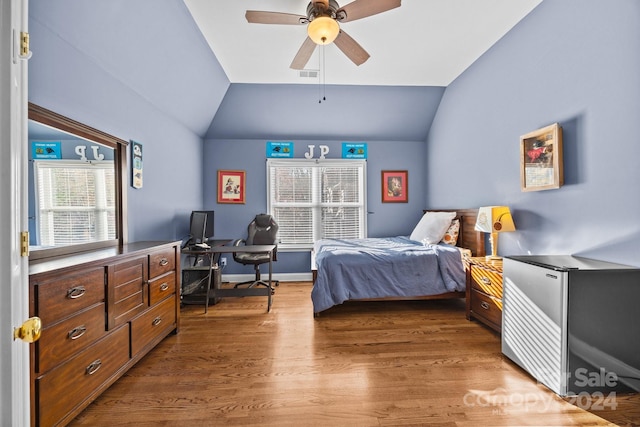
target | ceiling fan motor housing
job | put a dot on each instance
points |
(322, 8)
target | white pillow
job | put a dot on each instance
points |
(432, 227)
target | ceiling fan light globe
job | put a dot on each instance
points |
(323, 30)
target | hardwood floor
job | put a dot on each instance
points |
(360, 364)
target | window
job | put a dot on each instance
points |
(76, 201)
(313, 200)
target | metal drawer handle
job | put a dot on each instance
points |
(164, 286)
(484, 305)
(157, 321)
(93, 367)
(164, 262)
(485, 280)
(76, 292)
(77, 332)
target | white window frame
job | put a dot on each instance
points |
(316, 203)
(45, 207)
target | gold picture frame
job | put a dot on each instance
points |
(541, 159)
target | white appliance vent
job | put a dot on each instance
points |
(312, 74)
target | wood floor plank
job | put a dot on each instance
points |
(400, 363)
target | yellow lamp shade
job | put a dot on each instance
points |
(323, 30)
(493, 219)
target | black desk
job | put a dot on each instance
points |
(200, 274)
(215, 251)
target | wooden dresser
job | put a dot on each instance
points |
(484, 291)
(101, 312)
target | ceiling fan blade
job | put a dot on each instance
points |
(359, 9)
(351, 48)
(303, 55)
(262, 17)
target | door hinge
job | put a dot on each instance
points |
(24, 44)
(21, 46)
(24, 243)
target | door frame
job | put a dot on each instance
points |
(14, 268)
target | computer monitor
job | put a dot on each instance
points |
(197, 227)
(201, 228)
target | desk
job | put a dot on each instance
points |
(239, 292)
(200, 273)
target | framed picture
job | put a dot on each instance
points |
(541, 159)
(395, 186)
(231, 186)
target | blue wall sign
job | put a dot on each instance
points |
(46, 150)
(352, 150)
(279, 149)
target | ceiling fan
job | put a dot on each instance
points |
(322, 20)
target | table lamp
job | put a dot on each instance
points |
(494, 220)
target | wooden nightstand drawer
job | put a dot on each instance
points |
(484, 291)
(486, 307)
(487, 281)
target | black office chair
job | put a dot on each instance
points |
(263, 230)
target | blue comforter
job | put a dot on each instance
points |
(383, 267)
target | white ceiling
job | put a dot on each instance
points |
(421, 43)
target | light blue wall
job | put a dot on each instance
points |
(353, 113)
(575, 62)
(121, 66)
(384, 219)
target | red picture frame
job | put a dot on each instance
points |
(395, 186)
(231, 186)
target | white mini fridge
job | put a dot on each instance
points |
(573, 323)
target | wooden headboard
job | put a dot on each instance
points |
(469, 238)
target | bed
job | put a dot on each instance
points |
(394, 267)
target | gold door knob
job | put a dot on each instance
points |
(30, 330)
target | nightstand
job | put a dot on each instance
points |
(484, 291)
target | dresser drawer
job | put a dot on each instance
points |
(129, 290)
(157, 321)
(487, 281)
(161, 288)
(487, 307)
(68, 294)
(67, 386)
(64, 339)
(161, 262)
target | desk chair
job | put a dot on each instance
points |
(263, 230)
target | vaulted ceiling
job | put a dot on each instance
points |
(416, 50)
(420, 43)
(201, 64)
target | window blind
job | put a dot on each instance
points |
(315, 200)
(75, 202)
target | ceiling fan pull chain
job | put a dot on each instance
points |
(320, 71)
(322, 91)
(324, 75)
(319, 76)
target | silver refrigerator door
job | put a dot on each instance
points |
(534, 319)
